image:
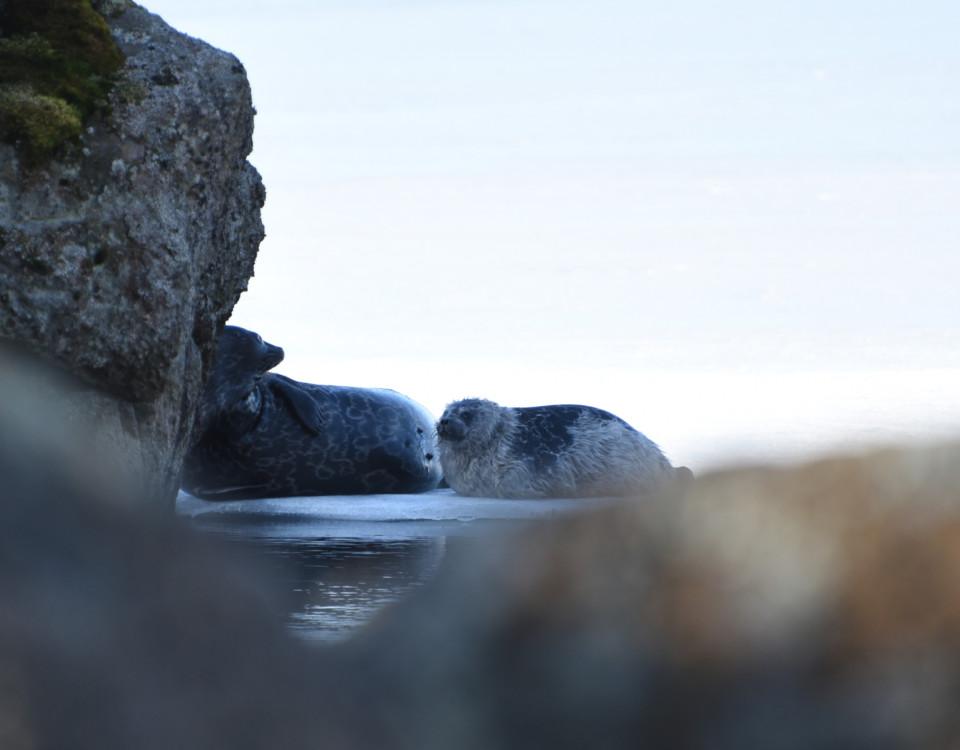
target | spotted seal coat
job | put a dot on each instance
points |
(566, 450)
(266, 435)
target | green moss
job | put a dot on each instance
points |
(57, 63)
(40, 123)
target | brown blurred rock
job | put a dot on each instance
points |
(121, 257)
(814, 607)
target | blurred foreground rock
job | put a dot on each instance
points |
(121, 256)
(816, 607)
(119, 628)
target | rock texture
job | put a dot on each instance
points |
(121, 258)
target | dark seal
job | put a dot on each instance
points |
(266, 435)
(563, 450)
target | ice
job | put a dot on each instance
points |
(439, 505)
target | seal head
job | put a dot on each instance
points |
(240, 362)
(473, 423)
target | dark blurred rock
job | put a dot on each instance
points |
(120, 258)
(119, 628)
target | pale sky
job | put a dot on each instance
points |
(734, 224)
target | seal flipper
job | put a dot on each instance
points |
(300, 401)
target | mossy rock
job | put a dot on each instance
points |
(41, 123)
(57, 64)
(110, 8)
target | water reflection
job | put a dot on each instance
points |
(339, 584)
(334, 582)
(341, 559)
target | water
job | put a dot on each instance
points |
(335, 584)
(341, 560)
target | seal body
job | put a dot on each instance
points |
(567, 450)
(266, 435)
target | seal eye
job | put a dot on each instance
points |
(466, 416)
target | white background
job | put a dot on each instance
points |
(734, 224)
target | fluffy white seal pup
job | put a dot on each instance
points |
(565, 450)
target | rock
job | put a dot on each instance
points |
(111, 7)
(118, 627)
(810, 607)
(122, 256)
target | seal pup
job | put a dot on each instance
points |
(266, 435)
(563, 450)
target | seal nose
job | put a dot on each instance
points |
(272, 356)
(450, 429)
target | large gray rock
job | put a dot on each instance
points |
(120, 259)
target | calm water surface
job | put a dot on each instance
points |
(340, 564)
(335, 584)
